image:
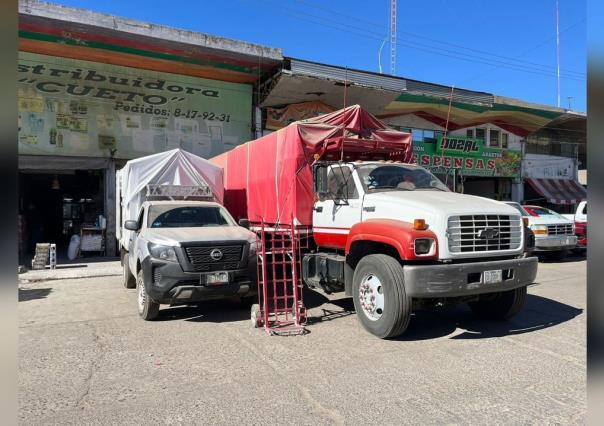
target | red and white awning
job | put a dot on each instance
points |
(559, 191)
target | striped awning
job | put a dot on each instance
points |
(559, 191)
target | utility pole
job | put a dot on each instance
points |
(392, 37)
(558, 51)
(569, 102)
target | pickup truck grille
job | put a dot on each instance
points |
(562, 229)
(484, 233)
(202, 260)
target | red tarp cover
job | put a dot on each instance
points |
(270, 178)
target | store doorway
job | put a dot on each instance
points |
(54, 205)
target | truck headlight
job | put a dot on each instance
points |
(539, 229)
(423, 246)
(166, 253)
(253, 248)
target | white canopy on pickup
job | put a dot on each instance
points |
(170, 168)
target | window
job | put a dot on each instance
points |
(377, 178)
(504, 140)
(418, 135)
(167, 216)
(480, 134)
(494, 138)
(341, 184)
(438, 133)
(470, 133)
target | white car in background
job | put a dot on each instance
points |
(554, 233)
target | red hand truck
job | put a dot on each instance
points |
(281, 308)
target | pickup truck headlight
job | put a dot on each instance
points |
(423, 246)
(253, 248)
(159, 251)
(539, 229)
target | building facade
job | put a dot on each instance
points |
(96, 90)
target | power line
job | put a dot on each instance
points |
(339, 26)
(420, 36)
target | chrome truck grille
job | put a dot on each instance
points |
(484, 233)
(561, 229)
(214, 258)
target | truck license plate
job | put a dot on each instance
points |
(217, 278)
(491, 277)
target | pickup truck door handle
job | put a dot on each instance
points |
(369, 208)
(318, 209)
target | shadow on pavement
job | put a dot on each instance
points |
(568, 258)
(26, 294)
(538, 313)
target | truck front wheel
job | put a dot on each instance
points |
(147, 308)
(378, 290)
(499, 306)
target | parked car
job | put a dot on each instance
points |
(554, 234)
(580, 219)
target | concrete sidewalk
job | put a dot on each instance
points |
(75, 270)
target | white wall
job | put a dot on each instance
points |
(514, 141)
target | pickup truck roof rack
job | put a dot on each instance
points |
(179, 192)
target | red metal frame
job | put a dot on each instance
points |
(280, 297)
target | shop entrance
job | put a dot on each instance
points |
(54, 205)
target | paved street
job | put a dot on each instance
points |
(86, 358)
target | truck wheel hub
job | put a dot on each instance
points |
(371, 297)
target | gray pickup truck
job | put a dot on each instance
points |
(183, 252)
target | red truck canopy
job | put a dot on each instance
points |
(270, 179)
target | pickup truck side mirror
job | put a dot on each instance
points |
(320, 180)
(244, 223)
(131, 225)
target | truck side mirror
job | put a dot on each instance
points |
(131, 225)
(320, 180)
(244, 223)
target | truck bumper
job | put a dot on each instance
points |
(466, 279)
(555, 242)
(167, 283)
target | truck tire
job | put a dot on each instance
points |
(500, 306)
(148, 309)
(127, 278)
(378, 291)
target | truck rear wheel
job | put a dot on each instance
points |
(147, 308)
(127, 278)
(500, 306)
(378, 290)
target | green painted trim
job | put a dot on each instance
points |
(405, 97)
(133, 51)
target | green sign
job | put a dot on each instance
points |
(470, 156)
(81, 108)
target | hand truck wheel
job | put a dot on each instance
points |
(256, 316)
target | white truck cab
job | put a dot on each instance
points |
(393, 237)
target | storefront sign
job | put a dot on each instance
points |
(276, 118)
(73, 107)
(470, 156)
(539, 166)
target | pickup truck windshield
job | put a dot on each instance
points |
(542, 212)
(166, 216)
(398, 177)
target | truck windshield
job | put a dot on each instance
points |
(542, 212)
(166, 216)
(398, 177)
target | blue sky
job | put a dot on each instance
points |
(503, 47)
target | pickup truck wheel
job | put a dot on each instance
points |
(127, 277)
(378, 290)
(500, 306)
(147, 308)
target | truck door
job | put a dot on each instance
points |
(334, 216)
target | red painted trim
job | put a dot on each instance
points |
(395, 233)
(330, 240)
